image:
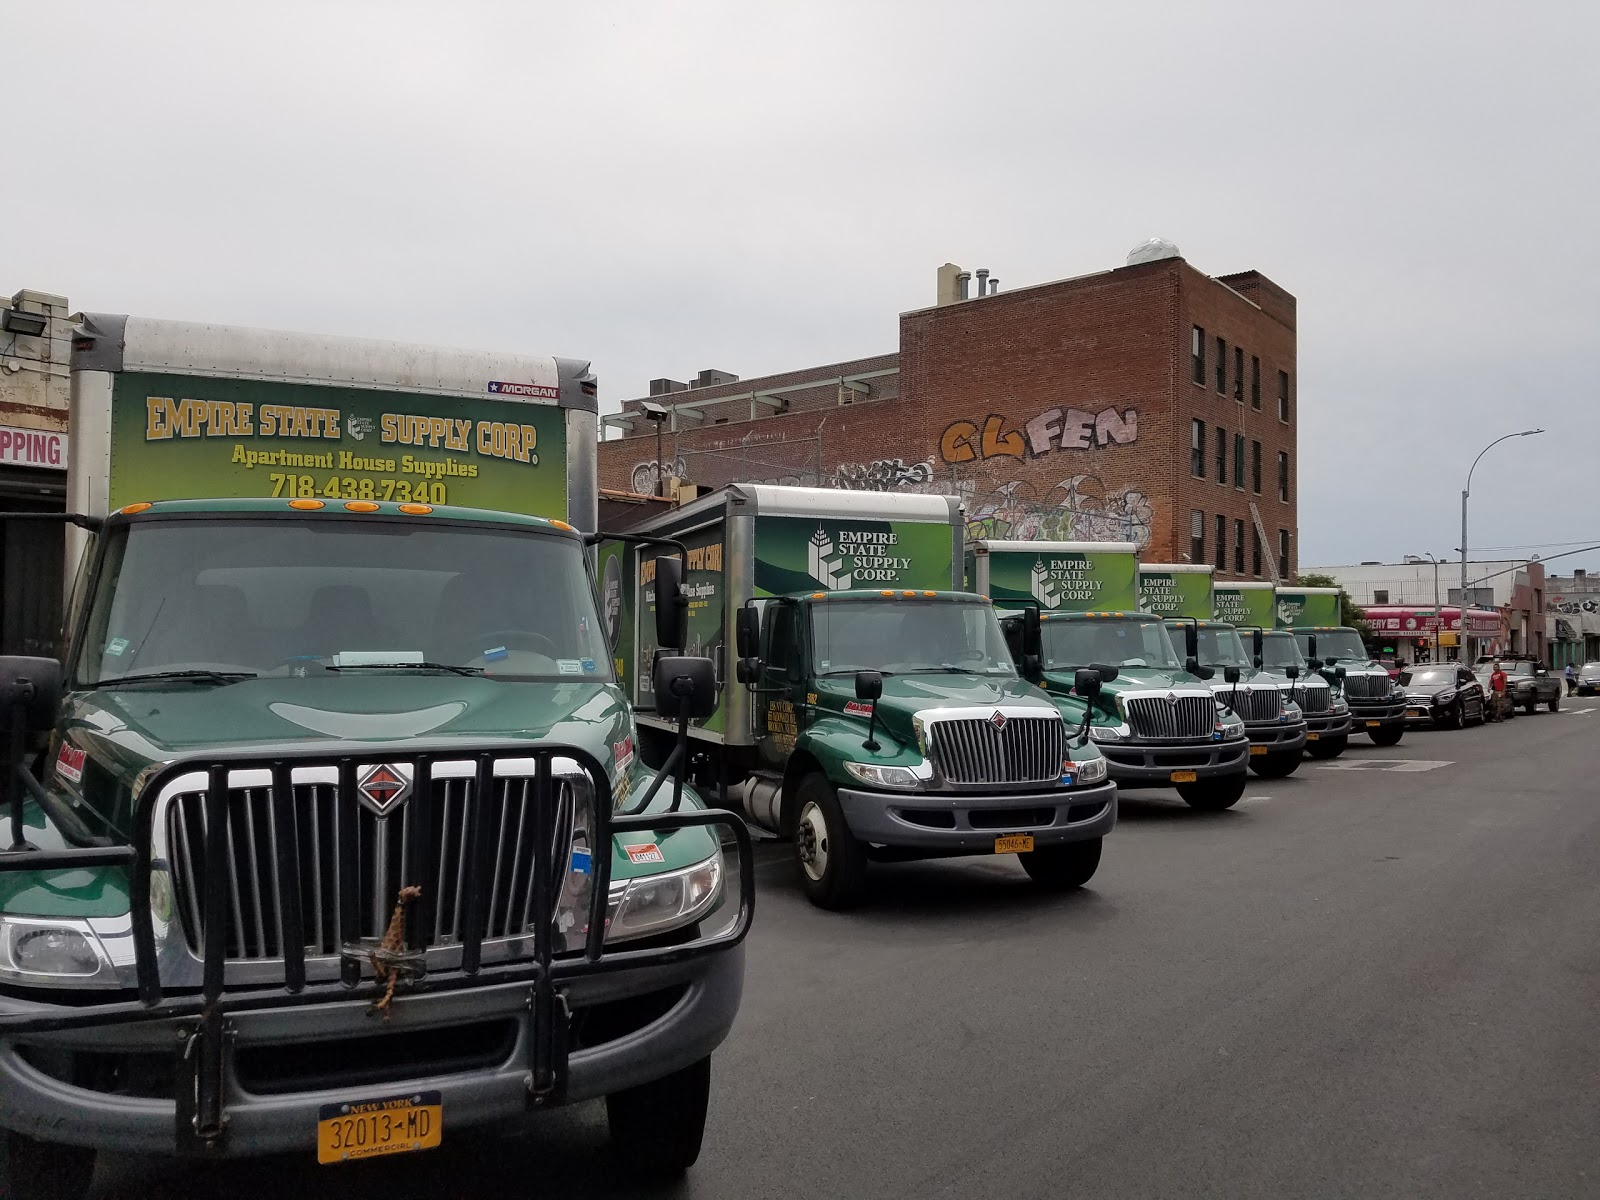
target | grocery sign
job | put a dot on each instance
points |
(45, 448)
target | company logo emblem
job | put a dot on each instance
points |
(382, 788)
(1041, 588)
(998, 720)
(824, 568)
(358, 427)
(1172, 699)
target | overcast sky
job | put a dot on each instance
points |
(763, 186)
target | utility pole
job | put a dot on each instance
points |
(1461, 639)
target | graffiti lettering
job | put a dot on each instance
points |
(1079, 508)
(1053, 429)
(645, 477)
(882, 475)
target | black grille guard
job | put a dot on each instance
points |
(201, 1120)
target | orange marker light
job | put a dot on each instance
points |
(563, 526)
(361, 505)
(416, 510)
(886, 592)
(307, 505)
(130, 509)
(930, 593)
(819, 595)
(908, 593)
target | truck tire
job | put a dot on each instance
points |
(46, 1170)
(1213, 795)
(1328, 747)
(833, 865)
(1062, 868)
(656, 1127)
(1555, 703)
(1532, 706)
(1386, 735)
(1277, 766)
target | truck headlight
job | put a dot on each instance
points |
(1086, 770)
(1232, 731)
(1106, 733)
(656, 903)
(53, 952)
(879, 775)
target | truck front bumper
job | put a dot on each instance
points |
(966, 823)
(1276, 738)
(1374, 716)
(687, 1009)
(1152, 764)
(1327, 725)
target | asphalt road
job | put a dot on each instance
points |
(1379, 979)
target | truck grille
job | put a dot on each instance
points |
(1256, 704)
(1314, 700)
(1178, 717)
(1367, 687)
(1019, 750)
(255, 914)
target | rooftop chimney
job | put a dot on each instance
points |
(983, 281)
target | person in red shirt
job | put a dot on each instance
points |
(1497, 685)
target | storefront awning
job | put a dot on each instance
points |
(1396, 620)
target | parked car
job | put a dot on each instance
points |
(1530, 685)
(1444, 695)
(1589, 679)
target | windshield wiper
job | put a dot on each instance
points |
(218, 677)
(853, 670)
(406, 666)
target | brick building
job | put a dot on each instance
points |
(1151, 403)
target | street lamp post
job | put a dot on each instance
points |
(1461, 638)
(1438, 617)
(657, 414)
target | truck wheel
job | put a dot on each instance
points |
(1328, 747)
(1555, 703)
(1062, 868)
(46, 1170)
(833, 865)
(1532, 706)
(656, 1127)
(1386, 735)
(1213, 795)
(1277, 766)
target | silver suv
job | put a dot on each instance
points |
(1589, 678)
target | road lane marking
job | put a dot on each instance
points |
(1405, 765)
(1573, 712)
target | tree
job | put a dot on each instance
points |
(1349, 611)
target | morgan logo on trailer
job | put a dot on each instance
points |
(533, 391)
(382, 787)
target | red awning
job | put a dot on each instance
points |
(1399, 620)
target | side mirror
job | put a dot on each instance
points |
(672, 606)
(747, 671)
(1292, 672)
(1200, 672)
(1191, 642)
(1032, 666)
(1339, 672)
(869, 685)
(747, 632)
(1230, 674)
(1192, 666)
(30, 690)
(1256, 645)
(1256, 660)
(1314, 663)
(1086, 682)
(685, 686)
(1106, 673)
(1330, 660)
(1032, 639)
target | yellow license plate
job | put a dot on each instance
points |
(1373, 724)
(1258, 750)
(372, 1128)
(1311, 737)
(1013, 843)
(1183, 777)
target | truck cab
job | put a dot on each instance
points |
(1326, 714)
(1272, 718)
(895, 726)
(1313, 615)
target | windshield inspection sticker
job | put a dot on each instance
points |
(646, 852)
(580, 860)
(69, 763)
(589, 667)
(569, 666)
(495, 654)
(117, 646)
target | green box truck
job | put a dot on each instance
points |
(883, 718)
(1250, 608)
(1313, 615)
(330, 831)
(1182, 594)
(1158, 724)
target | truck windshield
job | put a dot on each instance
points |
(1112, 642)
(1219, 645)
(1343, 644)
(908, 636)
(296, 596)
(1279, 650)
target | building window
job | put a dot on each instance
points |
(1222, 367)
(1255, 383)
(1222, 455)
(1283, 396)
(1380, 595)
(1238, 461)
(1238, 546)
(1197, 449)
(1283, 476)
(1238, 374)
(1197, 355)
(1197, 536)
(1285, 571)
(1222, 542)
(1255, 553)
(1255, 467)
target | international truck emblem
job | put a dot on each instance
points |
(1172, 699)
(998, 720)
(382, 788)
